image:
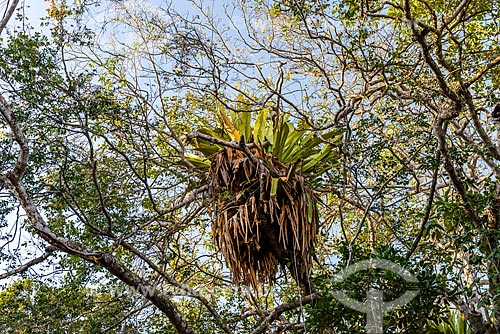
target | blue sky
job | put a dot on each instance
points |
(33, 10)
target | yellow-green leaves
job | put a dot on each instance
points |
(197, 161)
(260, 126)
(243, 118)
(306, 147)
(274, 186)
(281, 131)
(315, 159)
(229, 128)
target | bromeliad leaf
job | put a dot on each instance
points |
(274, 186)
(242, 118)
(228, 126)
(316, 158)
(198, 161)
(259, 128)
(280, 136)
(292, 146)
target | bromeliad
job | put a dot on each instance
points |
(259, 179)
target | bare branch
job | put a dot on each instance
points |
(8, 14)
(49, 251)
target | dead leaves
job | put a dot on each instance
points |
(249, 201)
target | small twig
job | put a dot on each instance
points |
(8, 14)
(191, 198)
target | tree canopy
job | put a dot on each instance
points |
(211, 167)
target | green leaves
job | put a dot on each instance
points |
(303, 150)
(32, 307)
(309, 149)
(454, 323)
(274, 186)
(281, 131)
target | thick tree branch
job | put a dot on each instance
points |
(479, 74)
(8, 14)
(420, 37)
(495, 153)
(440, 131)
(13, 181)
(192, 292)
(461, 6)
(22, 162)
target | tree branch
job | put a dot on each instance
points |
(214, 140)
(12, 181)
(192, 292)
(48, 252)
(8, 15)
(283, 308)
(440, 131)
(478, 75)
(420, 37)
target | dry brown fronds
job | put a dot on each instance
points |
(255, 230)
